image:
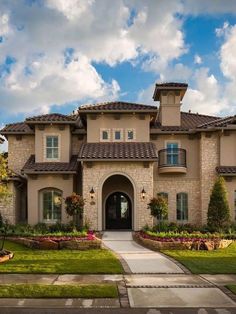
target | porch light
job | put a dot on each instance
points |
(143, 194)
(92, 194)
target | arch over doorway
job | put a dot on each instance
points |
(118, 203)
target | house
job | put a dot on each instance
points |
(119, 155)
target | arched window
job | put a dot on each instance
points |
(182, 206)
(165, 196)
(51, 205)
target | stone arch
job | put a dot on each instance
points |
(103, 197)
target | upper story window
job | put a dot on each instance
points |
(182, 206)
(172, 153)
(130, 135)
(117, 135)
(52, 147)
(104, 135)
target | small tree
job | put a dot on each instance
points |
(75, 206)
(4, 190)
(159, 207)
(218, 210)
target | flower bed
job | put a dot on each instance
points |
(90, 241)
(171, 241)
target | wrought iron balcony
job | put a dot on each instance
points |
(172, 160)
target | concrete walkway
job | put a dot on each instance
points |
(138, 258)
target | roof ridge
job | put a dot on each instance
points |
(221, 119)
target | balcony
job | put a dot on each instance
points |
(172, 160)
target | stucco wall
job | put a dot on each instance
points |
(64, 142)
(192, 155)
(19, 151)
(139, 176)
(126, 121)
(228, 149)
(42, 182)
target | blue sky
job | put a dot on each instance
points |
(58, 54)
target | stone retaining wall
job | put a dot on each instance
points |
(53, 245)
(190, 245)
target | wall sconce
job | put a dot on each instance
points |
(92, 195)
(143, 194)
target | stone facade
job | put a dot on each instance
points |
(209, 159)
(178, 185)
(9, 206)
(20, 149)
(140, 177)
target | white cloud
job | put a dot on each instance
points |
(39, 34)
(206, 97)
(197, 59)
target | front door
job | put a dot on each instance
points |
(118, 211)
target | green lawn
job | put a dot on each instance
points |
(54, 291)
(232, 288)
(60, 262)
(222, 261)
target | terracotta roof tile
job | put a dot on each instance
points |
(53, 167)
(118, 151)
(117, 106)
(220, 122)
(172, 84)
(52, 117)
(188, 121)
(226, 170)
(18, 128)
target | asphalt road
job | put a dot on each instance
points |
(117, 311)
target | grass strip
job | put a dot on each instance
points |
(232, 288)
(28, 261)
(58, 291)
(222, 261)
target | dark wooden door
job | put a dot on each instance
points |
(118, 211)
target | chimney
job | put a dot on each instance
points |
(170, 96)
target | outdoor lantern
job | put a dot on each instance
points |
(143, 194)
(92, 194)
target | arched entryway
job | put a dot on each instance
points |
(118, 200)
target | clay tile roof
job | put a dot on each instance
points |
(52, 117)
(118, 151)
(171, 84)
(189, 121)
(220, 122)
(17, 128)
(226, 170)
(117, 106)
(32, 167)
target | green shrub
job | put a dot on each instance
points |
(218, 210)
(159, 207)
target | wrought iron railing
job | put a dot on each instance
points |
(175, 157)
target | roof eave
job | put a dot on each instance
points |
(118, 111)
(119, 159)
(29, 172)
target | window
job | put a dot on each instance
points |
(104, 135)
(52, 147)
(182, 206)
(51, 205)
(130, 134)
(165, 196)
(117, 135)
(172, 153)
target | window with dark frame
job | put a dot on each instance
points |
(182, 206)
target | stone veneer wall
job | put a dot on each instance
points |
(19, 151)
(209, 160)
(8, 208)
(178, 185)
(95, 177)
